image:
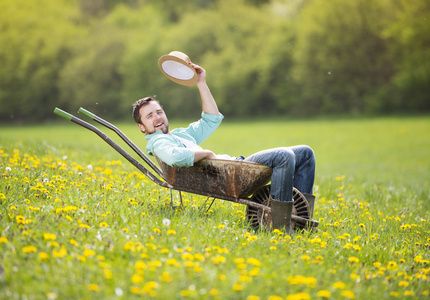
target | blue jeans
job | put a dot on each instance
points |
(292, 166)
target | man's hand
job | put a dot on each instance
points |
(201, 154)
(201, 73)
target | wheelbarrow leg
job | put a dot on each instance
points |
(311, 201)
(180, 197)
(204, 204)
(281, 215)
(171, 200)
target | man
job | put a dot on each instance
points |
(292, 166)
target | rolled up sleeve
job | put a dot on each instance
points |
(173, 155)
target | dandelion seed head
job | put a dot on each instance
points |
(119, 291)
(166, 222)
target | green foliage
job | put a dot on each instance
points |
(278, 57)
(409, 40)
(36, 39)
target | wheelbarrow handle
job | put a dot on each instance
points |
(86, 113)
(63, 114)
(114, 145)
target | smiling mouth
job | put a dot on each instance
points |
(159, 125)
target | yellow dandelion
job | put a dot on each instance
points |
(107, 273)
(165, 277)
(43, 255)
(218, 259)
(254, 272)
(348, 294)
(305, 257)
(339, 285)
(252, 297)
(51, 296)
(324, 294)
(104, 224)
(29, 249)
(408, 293)
(140, 265)
(171, 232)
(54, 244)
(81, 257)
(3, 239)
(353, 259)
(213, 292)
(403, 283)
(299, 296)
(222, 277)
(49, 236)
(238, 287)
(253, 261)
(392, 265)
(135, 290)
(89, 252)
(136, 278)
(59, 253)
(93, 287)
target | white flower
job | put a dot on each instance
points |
(89, 167)
(118, 291)
(8, 169)
(166, 222)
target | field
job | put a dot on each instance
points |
(79, 222)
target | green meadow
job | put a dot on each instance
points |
(77, 221)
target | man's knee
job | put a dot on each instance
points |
(309, 152)
(285, 156)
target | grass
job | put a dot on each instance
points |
(79, 222)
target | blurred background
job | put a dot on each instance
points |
(264, 58)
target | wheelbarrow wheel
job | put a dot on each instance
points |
(263, 219)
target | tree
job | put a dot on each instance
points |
(340, 58)
(36, 39)
(408, 36)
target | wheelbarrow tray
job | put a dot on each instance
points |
(231, 178)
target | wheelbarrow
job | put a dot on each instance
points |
(241, 182)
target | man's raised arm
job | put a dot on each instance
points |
(208, 102)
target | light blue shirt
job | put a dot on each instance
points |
(177, 148)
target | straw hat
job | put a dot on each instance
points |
(176, 66)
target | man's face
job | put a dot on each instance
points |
(153, 118)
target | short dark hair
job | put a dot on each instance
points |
(138, 104)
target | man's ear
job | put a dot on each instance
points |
(141, 127)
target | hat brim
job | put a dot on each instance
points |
(177, 70)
